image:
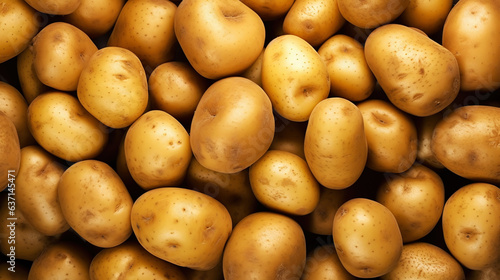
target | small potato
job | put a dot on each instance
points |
(470, 225)
(371, 14)
(96, 203)
(428, 16)
(425, 129)
(416, 198)
(294, 76)
(157, 150)
(54, 7)
(367, 238)
(283, 182)
(391, 135)
(10, 151)
(323, 263)
(254, 72)
(265, 245)
(350, 76)
(289, 136)
(113, 87)
(269, 10)
(60, 124)
(182, 226)
(30, 85)
(130, 260)
(335, 140)
(425, 261)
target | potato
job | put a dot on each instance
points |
(122, 170)
(470, 225)
(371, 14)
(283, 182)
(294, 76)
(418, 75)
(472, 35)
(425, 129)
(350, 76)
(416, 198)
(182, 226)
(19, 272)
(314, 21)
(289, 136)
(113, 87)
(489, 273)
(157, 150)
(254, 72)
(421, 260)
(29, 83)
(146, 27)
(466, 141)
(391, 136)
(36, 186)
(367, 238)
(212, 274)
(265, 245)
(229, 105)
(130, 260)
(10, 151)
(60, 52)
(323, 263)
(428, 16)
(60, 124)
(62, 260)
(54, 7)
(212, 35)
(335, 140)
(96, 203)
(269, 10)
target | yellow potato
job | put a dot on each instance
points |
(367, 238)
(157, 150)
(371, 14)
(470, 225)
(425, 128)
(212, 274)
(350, 76)
(182, 226)
(265, 245)
(467, 141)
(294, 76)
(214, 33)
(30, 85)
(96, 203)
(289, 136)
(335, 140)
(418, 75)
(269, 10)
(428, 16)
(121, 168)
(254, 72)
(10, 151)
(113, 87)
(60, 52)
(55, 7)
(229, 105)
(323, 263)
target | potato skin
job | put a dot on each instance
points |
(323, 263)
(55, 7)
(369, 15)
(30, 85)
(428, 16)
(269, 10)
(10, 149)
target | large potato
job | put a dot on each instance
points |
(182, 226)
(335, 144)
(418, 75)
(229, 105)
(10, 151)
(371, 14)
(470, 225)
(467, 142)
(95, 203)
(55, 7)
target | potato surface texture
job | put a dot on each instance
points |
(10, 148)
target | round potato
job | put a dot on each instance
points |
(182, 226)
(470, 225)
(30, 85)
(335, 140)
(367, 238)
(323, 263)
(265, 245)
(371, 14)
(428, 16)
(269, 10)
(54, 7)
(10, 150)
(96, 203)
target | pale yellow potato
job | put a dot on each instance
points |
(416, 198)
(60, 52)
(470, 225)
(323, 263)
(391, 135)
(36, 190)
(60, 124)
(233, 125)
(289, 136)
(113, 87)
(426, 15)
(62, 260)
(182, 226)
(269, 10)
(367, 238)
(371, 14)
(10, 150)
(466, 141)
(130, 260)
(254, 72)
(30, 85)
(283, 182)
(146, 27)
(18, 25)
(294, 76)
(157, 150)
(350, 76)
(418, 75)
(335, 140)
(96, 203)
(265, 245)
(472, 35)
(313, 20)
(220, 38)
(425, 261)
(425, 129)
(54, 7)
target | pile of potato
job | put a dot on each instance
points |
(252, 139)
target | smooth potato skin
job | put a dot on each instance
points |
(30, 85)
(95, 17)
(269, 10)
(55, 7)
(10, 148)
(369, 15)
(428, 16)
(323, 263)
